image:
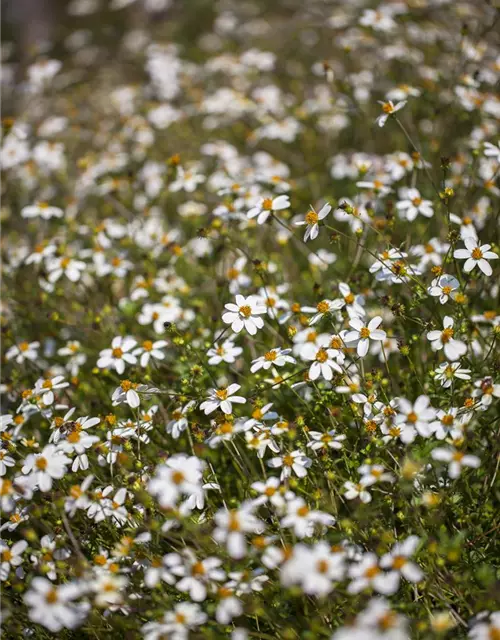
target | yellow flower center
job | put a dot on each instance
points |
(364, 332)
(387, 107)
(447, 290)
(267, 204)
(416, 202)
(322, 356)
(117, 352)
(288, 460)
(41, 463)
(51, 596)
(7, 555)
(270, 356)
(349, 298)
(221, 394)
(178, 477)
(312, 217)
(477, 254)
(371, 572)
(399, 562)
(447, 335)
(387, 621)
(24, 346)
(234, 523)
(322, 566)
(323, 307)
(245, 310)
(147, 345)
(303, 511)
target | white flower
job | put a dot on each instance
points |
(449, 370)
(43, 467)
(149, 350)
(412, 204)
(373, 473)
(313, 568)
(179, 422)
(108, 587)
(325, 360)
(356, 490)
(23, 351)
(186, 180)
(444, 287)
(362, 334)
(492, 151)
(127, 393)
(227, 352)
(456, 459)
(330, 439)
(52, 606)
(275, 357)
(231, 527)
(388, 108)
(197, 574)
(118, 355)
(485, 390)
(322, 309)
(486, 630)
(46, 388)
(302, 518)
(312, 219)
(295, 461)
(42, 210)
(354, 303)
(398, 560)
(181, 474)
(71, 268)
(10, 557)
(367, 573)
(476, 255)
(418, 415)
(244, 314)
(266, 206)
(78, 440)
(453, 349)
(405, 432)
(270, 492)
(222, 399)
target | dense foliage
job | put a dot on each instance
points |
(250, 325)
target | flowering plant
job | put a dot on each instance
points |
(250, 323)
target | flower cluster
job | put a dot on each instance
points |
(250, 325)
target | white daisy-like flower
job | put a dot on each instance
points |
(412, 204)
(312, 219)
(244, 314)
(41, 210)
(456, 460)
(362, 334)
(222, 399)
(266, 206)
(453, 349)
(275, 357)
(150, 350)
(389, 108)
(447, 371)
(474, 255)
(118, 355)
(445, 287)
